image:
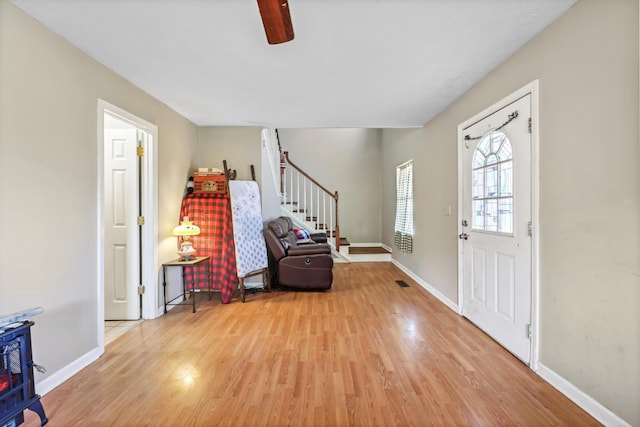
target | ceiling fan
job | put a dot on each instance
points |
(276, 20)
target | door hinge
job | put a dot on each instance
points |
(140, 151)
(529, 330)
(530, 229)
(140, 220)
(530, 125)
(140, 289)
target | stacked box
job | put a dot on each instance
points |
(209, 182)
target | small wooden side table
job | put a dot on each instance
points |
(184, 264)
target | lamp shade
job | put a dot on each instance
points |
(186, 228)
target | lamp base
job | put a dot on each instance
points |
(187, 252)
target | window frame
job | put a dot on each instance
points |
(498, 197)
(403, 229)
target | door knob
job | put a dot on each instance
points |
(464, 236)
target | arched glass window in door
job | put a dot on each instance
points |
(492, 181)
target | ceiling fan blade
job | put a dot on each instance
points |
(276, 20)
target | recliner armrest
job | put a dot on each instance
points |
(312, 249)
(319, 237)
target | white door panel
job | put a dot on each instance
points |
(497, 276)
(122, 301)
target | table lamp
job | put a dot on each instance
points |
(186, 229)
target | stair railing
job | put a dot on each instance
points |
(305, 195)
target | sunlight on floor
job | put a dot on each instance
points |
(114, 328)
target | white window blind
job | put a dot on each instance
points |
(404, 207)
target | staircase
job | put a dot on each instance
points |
(310, 204)
(313, 207)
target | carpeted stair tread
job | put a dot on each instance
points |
(367, 250)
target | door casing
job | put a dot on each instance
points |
(150, 302)
(533, 89)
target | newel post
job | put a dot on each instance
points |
(283, 166)
(337, 232)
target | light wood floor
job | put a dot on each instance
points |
(366, 353)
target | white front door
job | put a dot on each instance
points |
(496, 218)
(122, 243)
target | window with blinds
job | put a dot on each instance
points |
(404, 207)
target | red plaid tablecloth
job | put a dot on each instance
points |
(211, 212)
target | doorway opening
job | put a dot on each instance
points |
(127, 261)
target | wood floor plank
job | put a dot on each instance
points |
(365, 353)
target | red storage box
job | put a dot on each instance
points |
(209, 183)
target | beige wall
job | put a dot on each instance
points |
(239, 146)
(49, 92)
(347, 161)
(587, 66)
(433, 151)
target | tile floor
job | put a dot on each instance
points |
(114, 328)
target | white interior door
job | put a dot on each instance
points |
(122, 243)
(496, 218)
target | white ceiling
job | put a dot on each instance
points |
(353, 63)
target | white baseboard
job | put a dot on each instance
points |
(580, 398)
(52, 381)
(433, 291)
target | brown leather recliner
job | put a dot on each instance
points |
(295, 264)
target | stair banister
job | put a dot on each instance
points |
(286, 153)
(336, 229)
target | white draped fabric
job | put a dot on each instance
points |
(246, 209)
